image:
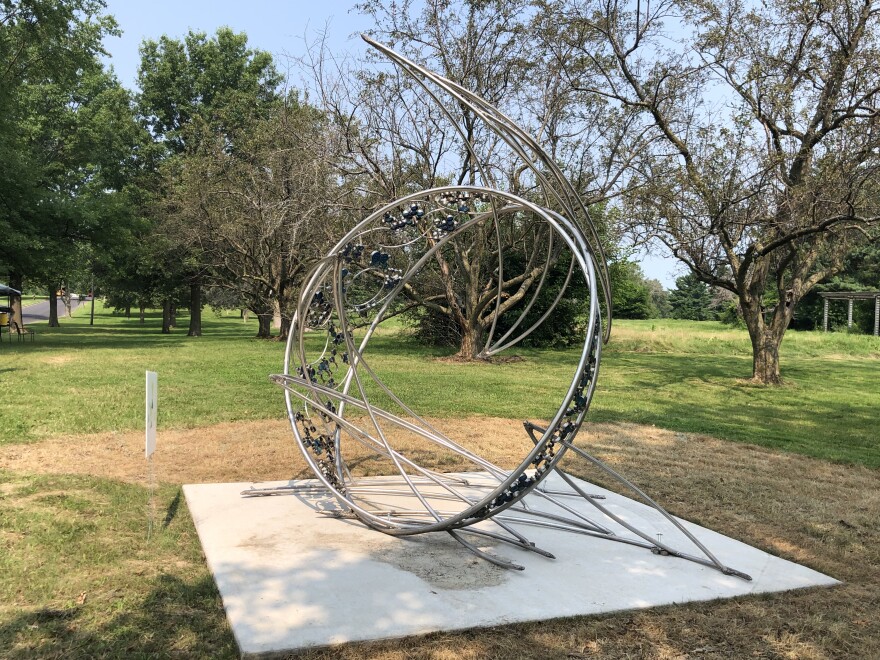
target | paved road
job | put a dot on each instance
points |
(40, 311)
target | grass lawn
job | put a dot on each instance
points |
(686, 376)
(80, 576)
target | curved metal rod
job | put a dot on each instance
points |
(505, 128)
(344, 288)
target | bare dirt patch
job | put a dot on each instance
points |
(224, 452)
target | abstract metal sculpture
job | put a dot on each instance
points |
(336, 400)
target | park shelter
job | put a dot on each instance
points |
(8, 292)
(6, 310)
(849, 296)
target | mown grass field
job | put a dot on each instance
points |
(686, 376)
(80, 576)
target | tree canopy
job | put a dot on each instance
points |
(762, 171)
(68, 137)
(198, 94)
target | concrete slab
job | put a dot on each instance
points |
(292, 578)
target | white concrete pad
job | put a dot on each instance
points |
(291, 577)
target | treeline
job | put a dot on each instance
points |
(71, 149)
(211, 179)
(219, 183)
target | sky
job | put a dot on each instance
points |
(278, 26)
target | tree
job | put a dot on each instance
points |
(397, 141)
(198, 87)
(60, 120)
(691, 299)
(765, 172)
(660, 307)
(94, 150)
(259, 213)
(195, 92)
(631, 297)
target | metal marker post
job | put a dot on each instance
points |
(152, 401)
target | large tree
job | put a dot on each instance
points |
(66, 134)
(765, 172)
(194, 92)
(261, 212)
(398, 140)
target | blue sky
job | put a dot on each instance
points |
(278, 26)
(274, 25)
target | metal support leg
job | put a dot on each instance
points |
(849, 314)
(825, 316)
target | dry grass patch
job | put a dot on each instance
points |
(235, 451)
(57, 360)
(821, 514)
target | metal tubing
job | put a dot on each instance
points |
(363, 276)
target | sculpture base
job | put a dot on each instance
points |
(292, 577)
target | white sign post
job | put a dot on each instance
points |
(152, 404)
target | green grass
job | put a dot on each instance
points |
(79, 576)
(679, 375)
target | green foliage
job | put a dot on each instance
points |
(192, 88)
(690, 299)
(729, 314)
(631, 295)
(566, 324)
(860, 273)
(69, 139)
(660, 307)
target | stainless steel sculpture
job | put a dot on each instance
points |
(336, 400)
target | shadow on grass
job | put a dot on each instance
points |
(175, 617)
(172, 509)
(113, 331)
(702, 394)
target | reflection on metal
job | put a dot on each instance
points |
(341, 410)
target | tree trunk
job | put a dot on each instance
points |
(766, 340)
(173, 314)
(265, 327)
(128, 311)
(53, 307)
(195, 309)
(15, 301)
(142, 310)
(276, 315)
(166, 317)
(284, 328)
(765, 358)
(471, 342)
(245, 315)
